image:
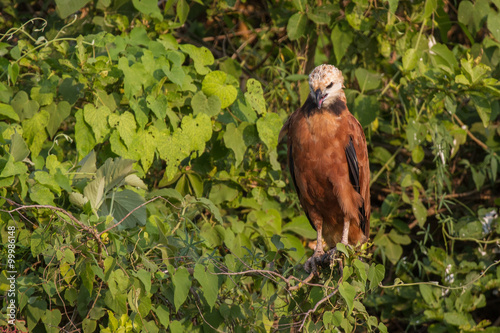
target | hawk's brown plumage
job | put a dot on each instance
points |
(328, 162)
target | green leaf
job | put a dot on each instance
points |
(201, 56)
(457, 319)
(301, 226)
(242, 109)
(355, 15)
(493, 23)
(342, 248)
(366, 109)
(117, 282)
(97, 118)
(483, 108)
(212, 208)
(121, 204)
(13, 71)
(68, 7)
(219, 84)
(18, 148)
(12, 168)
(34, 312)
(410, 59)
(361, 268)
(145, 278)
(126, 126)
(208, 281)
(57, 115)
(322, 14)
(417, 154)
(117, 302)
(192, 135)
(24, 107)
(233, 138)
(479, 176)
(255, 96)
(348, 293)
(148, 7)
(182, 283)
(444, 58)
(84, 138)
(296, 27)
(94, 192)
(211, 106)
(465, 10)
(158, 104)
(163, 314)
(342, 37)
(70, 90)
(415, 133)
(420, 212)
(41, 95)
(89, 325)
(114, 171)
(48, 180)
(51, 320)
(428, 294)
(430, 7)
(375, 275)
(221, 193)
(182, 11)
(34, 132)
(269, 127)
(399, 238)
(300, 5)
(7, 111)
(393, 6)
(367, 80)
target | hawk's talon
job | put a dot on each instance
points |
(310, 266)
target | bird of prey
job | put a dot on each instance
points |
(328, 162)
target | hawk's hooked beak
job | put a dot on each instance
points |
(319, 97)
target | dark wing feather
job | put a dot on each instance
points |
(352, 162)
(292, 174)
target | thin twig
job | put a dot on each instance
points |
(197, 299)
(323, 300)
(385, 166)
(132, 211)
(469, 133)
(90, 230)
(240, 33)
(436, 284)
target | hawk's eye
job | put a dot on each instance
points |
(329, 86)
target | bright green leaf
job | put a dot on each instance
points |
(348, 293)
(201, 56)
(182, 283)
(233, 139)
(420, 212)
(255, 96)
(410, 59)
(34, 131)
(208, 281)
(7, 111)
(269, 127)
(218, 84)
(211, 106)
(296, 27)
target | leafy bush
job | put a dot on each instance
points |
(142, 171)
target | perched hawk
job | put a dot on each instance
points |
(328, 162)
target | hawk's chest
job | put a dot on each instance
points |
(317, 134)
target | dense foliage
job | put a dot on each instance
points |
(143, 182)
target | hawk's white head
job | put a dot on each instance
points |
(326, 83)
